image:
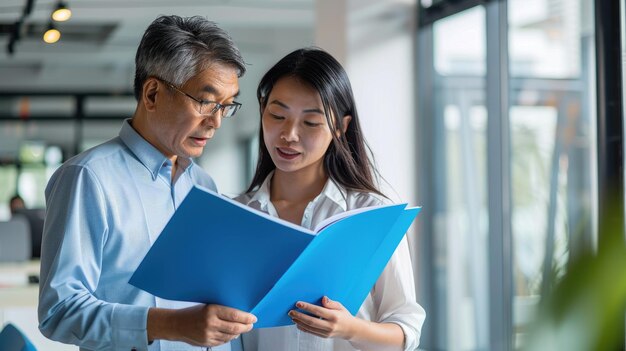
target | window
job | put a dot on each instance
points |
(507, 116)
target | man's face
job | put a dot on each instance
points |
(16, 204)
(176, 124)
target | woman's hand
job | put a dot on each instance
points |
(331, 320)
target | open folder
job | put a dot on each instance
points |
(215, 250)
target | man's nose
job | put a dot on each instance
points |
(215, 119)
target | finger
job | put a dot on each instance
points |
(311, 330)
(305, 319)
(331, 304)
(234, 315)
(215, 338)
(231, 328)
(314, 309)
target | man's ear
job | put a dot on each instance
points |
(149, 94)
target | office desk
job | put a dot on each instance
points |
(18, 303)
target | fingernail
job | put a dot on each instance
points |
(325, 299)
(299, 304)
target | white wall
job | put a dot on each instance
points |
(375, 42)
(383, 84)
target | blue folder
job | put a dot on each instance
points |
(215, 250)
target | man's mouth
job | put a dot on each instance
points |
(200, 141)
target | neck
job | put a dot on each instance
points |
(140, 124)
(297, 187)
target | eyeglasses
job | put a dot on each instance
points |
(209, 108)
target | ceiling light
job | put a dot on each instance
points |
(62, 13)
(52, 35)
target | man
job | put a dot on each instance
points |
(106, 206)
(16, 203)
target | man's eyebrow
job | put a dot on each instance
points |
(283, 105)
(211, 90)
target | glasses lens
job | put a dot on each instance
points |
(228, 111)
(207, 108)
(233, 109)
(211, 108)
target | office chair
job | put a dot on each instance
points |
(12, 339)
(35, 218)
(15, 242)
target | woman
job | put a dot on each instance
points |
(313, 163)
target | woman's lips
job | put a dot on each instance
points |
(287, 153)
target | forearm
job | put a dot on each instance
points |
(87, 322)
(161, 325)
(376, 336)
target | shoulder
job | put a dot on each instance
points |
(91, 159)
(360, 199)
(202, 178)
(98, 160)
(245, 198)
(101, 158)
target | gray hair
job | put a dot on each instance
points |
(175, 49)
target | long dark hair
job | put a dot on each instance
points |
(347, 160)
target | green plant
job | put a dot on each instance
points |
(586, 309)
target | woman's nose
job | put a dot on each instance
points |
(289, 132)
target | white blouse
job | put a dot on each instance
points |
(391, 300)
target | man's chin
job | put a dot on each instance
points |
(191, 152)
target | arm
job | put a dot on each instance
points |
(398, 320)
(75, 231)
(334, 321)
(394, 296)
(74, 237)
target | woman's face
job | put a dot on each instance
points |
(295, 130)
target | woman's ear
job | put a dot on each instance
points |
(149, 94)
(345, 122)
(262, 106)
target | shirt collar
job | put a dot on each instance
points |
(334, 193)
(262, 195)
(147, 154)
(331, 190)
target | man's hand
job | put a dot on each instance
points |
(200, 325)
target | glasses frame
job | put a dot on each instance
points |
(205, 103)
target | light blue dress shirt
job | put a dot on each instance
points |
(105, 208)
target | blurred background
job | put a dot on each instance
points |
(487, 113)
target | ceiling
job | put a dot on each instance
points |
(98, 44)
